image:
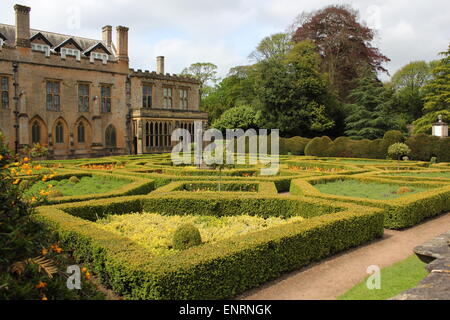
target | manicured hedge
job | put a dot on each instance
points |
(137, 186)
(424, 147)
(210, 271)
(400, 213)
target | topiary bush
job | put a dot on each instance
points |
(55, 194)
(319, 147)
(294, 145)
(74, 180)
(398, 150)
(186, 236)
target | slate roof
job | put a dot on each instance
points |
(9, 32)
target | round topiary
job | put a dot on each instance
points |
(74, 179)
(185, 237)
(403, 190)
(55, 194)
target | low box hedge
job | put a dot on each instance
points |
(211, 271)
(404, 212)
(137, 186)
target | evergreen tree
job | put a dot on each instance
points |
(367, 117)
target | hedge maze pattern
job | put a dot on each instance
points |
(332, 223)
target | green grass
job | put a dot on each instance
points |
(87, 185)
(444, 174)
(395, 279)
(372, 190)
(155, 231)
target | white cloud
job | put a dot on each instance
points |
(225, 32)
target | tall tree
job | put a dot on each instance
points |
(293, 94)
(205, 72)
(275, 45)
(343, 43)
(408, 84)
(368, 118)
(236, 89)
(437, 95)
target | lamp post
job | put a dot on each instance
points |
(440, 128)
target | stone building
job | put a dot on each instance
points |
(79, 98)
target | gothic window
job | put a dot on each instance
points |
(80, 133)
(167, 98)
(35, 132)
(110, 137)
(83, 97)
(146, 96)
(5, 92)
(59, 132)
(106, 98)
(184, 99)
(53, 96)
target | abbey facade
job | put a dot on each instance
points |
(79, 98)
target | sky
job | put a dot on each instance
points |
(225, 32)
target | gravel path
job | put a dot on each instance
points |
(330, 278)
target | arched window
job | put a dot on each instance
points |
(59, 132)
(110, 137)
(35, 132)
(80, 133)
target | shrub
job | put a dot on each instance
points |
(74, 179)
(24, 185)
(55, 194)
(294, 145)
(403, 190)
(398, 150)
(319, 147)
(186, 236)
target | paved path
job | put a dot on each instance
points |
(330, 278)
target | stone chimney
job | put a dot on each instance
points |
(122, 43)
(160, 65)
(22, 25)
(107, 35)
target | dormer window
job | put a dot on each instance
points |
(70, 52)
(41, 48)
(99, 56)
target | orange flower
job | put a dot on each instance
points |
(16, 182)
(44, 252)
(26, 159)
(87, 275)
(58, 250)
(84, 270)
(38, 167)
(29, 172)
(41, 285)
(44, 298)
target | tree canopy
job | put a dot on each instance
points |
(344, 44)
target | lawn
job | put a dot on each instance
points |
(86, 185)
(155, 231)
(395, 279)
(372, 190)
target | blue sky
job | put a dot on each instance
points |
(225, 32)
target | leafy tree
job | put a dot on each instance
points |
(204, 72)
(242, 117)
(437, 95)
(408, 83)
(368, 118)
(294, 96)
(235, 90)
(275, 45)
(343, 43)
